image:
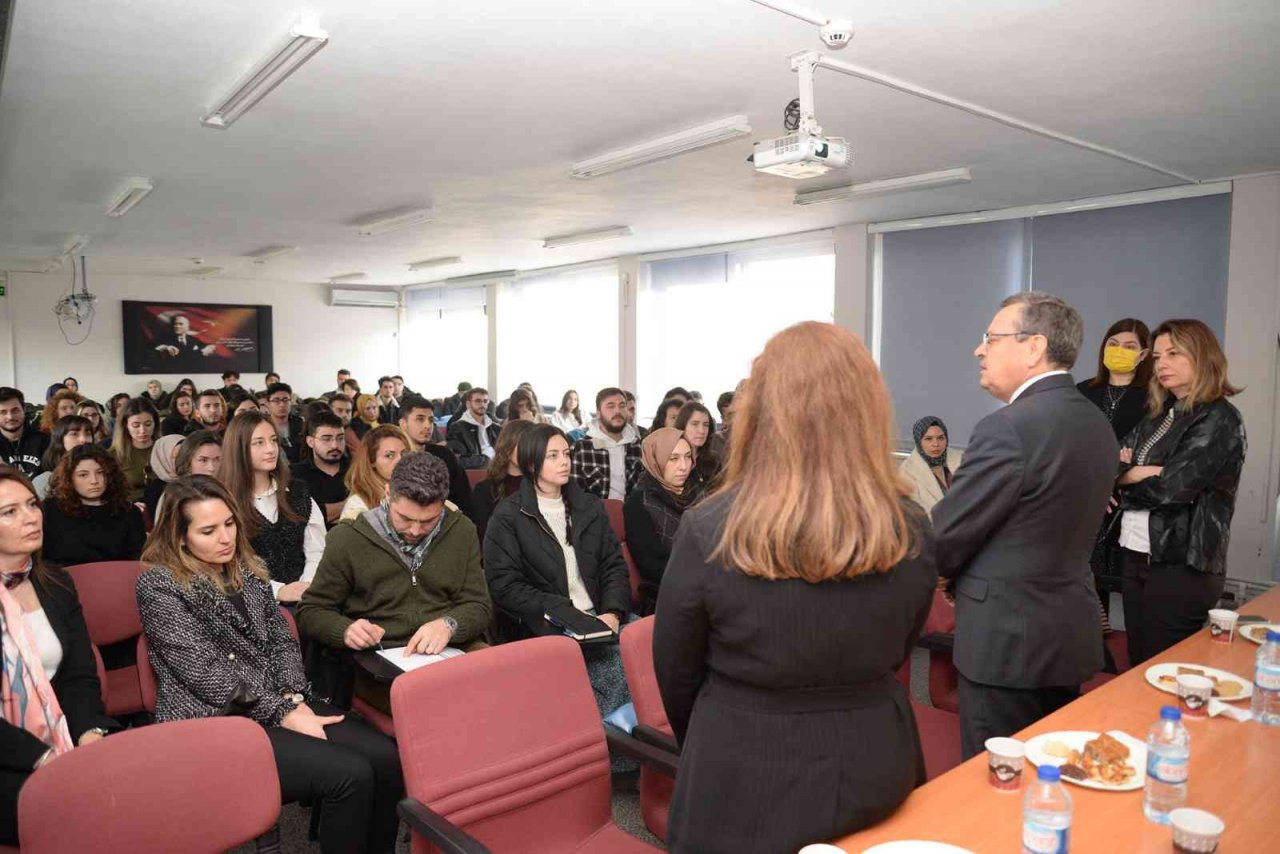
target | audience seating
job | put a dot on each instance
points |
(199, 785)
(102, 673)
(528, 774)
(939, 730)
(938, 638)
(376, 718)
(613, 507)
(110, 605)
(476, 475)
(656, 788)
(633, 575)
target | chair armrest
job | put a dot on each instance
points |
(438, 830)
(937, 642)
(657, 738)
(655, 757)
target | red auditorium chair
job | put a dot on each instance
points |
(633, 575)
(528, 774)
(636, 645)
(613, 507)
(200, 785)
(939, 731)
(938, 638)
(106, 592)
(475, 476)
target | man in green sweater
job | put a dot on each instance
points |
(405, 574)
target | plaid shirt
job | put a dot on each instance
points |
(591, 467)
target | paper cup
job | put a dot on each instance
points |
(1195, 831)
(1193, 695)
(1005, 758)
(1222, 624)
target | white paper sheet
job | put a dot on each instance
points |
(413, 662)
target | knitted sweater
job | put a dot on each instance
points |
(280, 544)
(361, 576)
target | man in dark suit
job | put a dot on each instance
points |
(1015, 530)
(185, 349)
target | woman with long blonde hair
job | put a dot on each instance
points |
(792, 596)
(371, 467)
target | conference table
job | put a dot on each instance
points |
(1234, 771)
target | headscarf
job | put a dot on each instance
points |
(655, 450)
(362, 401)
(917, 432)
(162, 457)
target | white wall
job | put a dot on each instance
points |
(311, 338)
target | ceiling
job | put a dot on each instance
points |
(477, 109)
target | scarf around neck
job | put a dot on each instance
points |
(655, 450)
(26, 696)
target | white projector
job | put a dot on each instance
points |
(801, 155)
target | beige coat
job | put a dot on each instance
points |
(925, 489)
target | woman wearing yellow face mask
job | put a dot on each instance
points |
(1120, 391)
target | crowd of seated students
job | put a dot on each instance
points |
(357, 510)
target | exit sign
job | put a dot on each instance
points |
(1, 290)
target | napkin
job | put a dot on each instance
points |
(1217, 707)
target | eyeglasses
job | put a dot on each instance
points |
(988, 337)
(278, 400)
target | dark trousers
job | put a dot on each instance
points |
(989, 711)
(1164, 603)
(10, 784)
(355, 775)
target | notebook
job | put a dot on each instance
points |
(576, 624)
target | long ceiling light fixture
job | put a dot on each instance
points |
(392, 221)
(923, 181)
(434, 262)
(305, 41)
(130, 193)
(347, 277)
(587, 237)
(74, 244)
(266, 253)
(672, 145)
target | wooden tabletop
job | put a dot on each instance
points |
(1234, 772)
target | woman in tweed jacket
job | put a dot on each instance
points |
(220, 646)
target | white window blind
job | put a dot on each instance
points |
(447, 340)
(701, 319)
(559, 331)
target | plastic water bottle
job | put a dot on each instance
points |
(1046, 814)
(1266, 682)
(1168, 755)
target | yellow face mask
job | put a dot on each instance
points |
(1119, 360)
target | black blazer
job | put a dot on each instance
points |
(793, 727)
(524, 563)
(75, 684)
(1015, 532)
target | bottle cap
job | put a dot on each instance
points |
(1273, 636)
(1049, 773)
(1170, 713)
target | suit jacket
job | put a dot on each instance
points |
(1015, 532)
(207, 657)
(75, 684)
(926, 491)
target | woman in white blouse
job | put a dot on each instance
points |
(285, 526)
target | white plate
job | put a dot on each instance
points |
(1247, 631)
(915, 846)
(1155, 671)
(1076, 740)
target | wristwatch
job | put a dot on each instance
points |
(97, 729)
(452, 624)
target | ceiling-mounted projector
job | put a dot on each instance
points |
(801, 155)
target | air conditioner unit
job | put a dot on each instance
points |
(367, 299)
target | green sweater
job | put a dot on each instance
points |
(361, 576)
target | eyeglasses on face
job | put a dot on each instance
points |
(988, 337)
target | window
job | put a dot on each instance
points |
(558, 331)
(701, 319)
(446, 340)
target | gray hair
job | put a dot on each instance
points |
(421, 478)
(1050, 316)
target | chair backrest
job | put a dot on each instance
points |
(633, 575)
(102, 673)
(942, 616)
(476, 475)
(527, 774)
(107, 595)
(636, 645)
(199, 785)
(613, 507)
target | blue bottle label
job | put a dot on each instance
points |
(1267, 677)
(1166, 769)
(1041, 839)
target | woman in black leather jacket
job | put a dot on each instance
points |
(1180, 468)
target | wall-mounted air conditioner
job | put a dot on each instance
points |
(366, 299)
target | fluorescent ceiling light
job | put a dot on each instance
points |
(587, 237)
(203, 272)
(923, 181)
(392, 221)
(265, 254)
(348, 277)
(130, 193)
(74, 244)
(434, 262)
(702, 136)
(305, 40)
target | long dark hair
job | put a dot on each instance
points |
(189, 385)
(64, 425)
(1142, 375)
(122, 442)
(531, 453)
(576, 412)
(660, 417)
(62, 485)
(503, 451)
(191, 446)
(236, 470)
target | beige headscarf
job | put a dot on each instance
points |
(655, 450)
(162, 457)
